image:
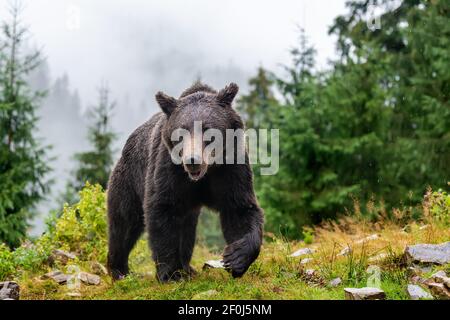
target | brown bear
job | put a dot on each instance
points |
(148, 191)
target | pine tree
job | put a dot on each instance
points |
(95, 165)
(255, 107)
(23, 161)
(376, 126)
(401, 73)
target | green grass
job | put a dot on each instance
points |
(273, 276)
(82, 229)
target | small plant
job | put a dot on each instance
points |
(82, 227)
(28, 257)
(437, 206)
(308, 235)
(6, 262)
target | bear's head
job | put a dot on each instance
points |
(194, 122)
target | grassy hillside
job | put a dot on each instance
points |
(381, 242)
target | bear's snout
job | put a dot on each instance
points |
(195, 167)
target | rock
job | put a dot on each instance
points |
(56, 276)
(345, 252)
(335, 282)
(98, 269)
(89, 278)
(364, 294)
(366, 239)
(428, 253)
(302, 252)
(306, 260)
(439, 274)
(9, 290)
(441, 277)
(213, 264)
(62, 256)
(204, 295)
(417, 293)
(439, 291)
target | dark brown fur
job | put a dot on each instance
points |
(147, 191)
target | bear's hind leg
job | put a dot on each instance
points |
(126, 224)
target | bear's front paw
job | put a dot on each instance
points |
(237, 257)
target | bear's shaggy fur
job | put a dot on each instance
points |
(147, 191)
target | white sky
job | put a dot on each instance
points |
(140, 46)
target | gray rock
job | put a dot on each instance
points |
(213, 264)
(439, 291)
(302, 252)
(416, 293)
(441, 277)
(364, 294)
(9, 290)
(89, 278)
(56, 276)
(62, 256)
(428, 253)
(98, 269)
(335, 282)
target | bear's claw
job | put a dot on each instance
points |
(236, 258)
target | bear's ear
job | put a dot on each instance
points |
(167, 104)
(227, 94)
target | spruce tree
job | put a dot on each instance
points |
(255, 107)
(23, 160)
(95, 165)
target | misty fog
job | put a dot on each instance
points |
(139, 48)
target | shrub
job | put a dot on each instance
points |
(27, 257)
(6, 261)
(81, 228)
(437, 206)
